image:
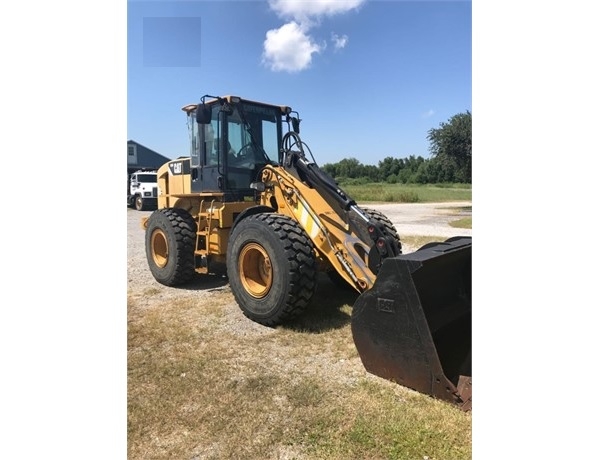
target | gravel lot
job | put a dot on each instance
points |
(409, 219)
(431, 219)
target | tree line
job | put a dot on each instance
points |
(450, 162)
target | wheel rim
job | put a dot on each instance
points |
(159, 248)
(255, 270)
(138, 202)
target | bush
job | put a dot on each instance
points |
(401, 197)
(353, 181)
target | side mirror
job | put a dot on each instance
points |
(203, 114)
(296, 125)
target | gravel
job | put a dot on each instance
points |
(409, 219)
(431, 219)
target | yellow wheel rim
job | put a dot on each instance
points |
(159, 248)
(255, 270)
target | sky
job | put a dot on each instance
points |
(368, 78)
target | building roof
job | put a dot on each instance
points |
(146, 158)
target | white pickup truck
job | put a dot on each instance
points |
(142, 190)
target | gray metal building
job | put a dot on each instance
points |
(141, 157)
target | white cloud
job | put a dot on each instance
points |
(339, 42)
(428, 114)
(289, 48)
(305, 10)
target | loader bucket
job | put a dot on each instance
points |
(414, 325)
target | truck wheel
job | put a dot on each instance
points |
(170, 242)
(140, 203)
(271, 268)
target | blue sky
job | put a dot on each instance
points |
(369, 78)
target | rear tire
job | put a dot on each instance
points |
(271, 268)
(170, 242)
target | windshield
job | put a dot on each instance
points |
(147, 177)
(257, 127)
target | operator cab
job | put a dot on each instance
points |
(231, 140)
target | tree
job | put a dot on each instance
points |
(390, 166)
(330, 169)
(451, 145)
(349, 167)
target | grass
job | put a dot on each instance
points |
(409, 193)
(464, 222)
(200, 389)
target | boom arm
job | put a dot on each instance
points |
(354, 244)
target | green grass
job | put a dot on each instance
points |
(409, 193)
(465, 222)
(198, 390)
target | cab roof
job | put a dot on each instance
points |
(192, 107)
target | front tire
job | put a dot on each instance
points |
(139, 203)
(389, 228)
(271, 268)
(170, 242)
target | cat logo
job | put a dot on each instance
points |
(176, 168)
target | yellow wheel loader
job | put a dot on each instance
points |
(251, 203)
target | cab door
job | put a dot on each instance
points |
(206, 156)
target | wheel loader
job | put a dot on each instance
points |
(250, 203)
